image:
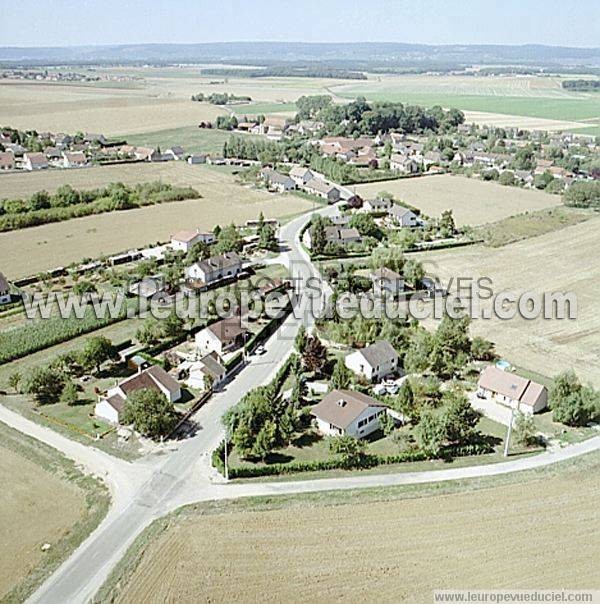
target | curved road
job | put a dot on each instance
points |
(153, 486)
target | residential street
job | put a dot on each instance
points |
(151, 487)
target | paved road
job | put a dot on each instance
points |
(184, 474)
(150, 488)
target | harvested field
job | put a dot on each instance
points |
(42, 501)
(472, 201)
(557, 261)
(112, 111)
(58, 244)
(390, 546)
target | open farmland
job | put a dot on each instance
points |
(43, 501)
(525, 101)
(390, 545)
(472, 201)
(547, 263)
(58, 244)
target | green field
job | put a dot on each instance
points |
(583, 108)
(262, 108)
(191, 138)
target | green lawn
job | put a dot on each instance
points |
(191, 138)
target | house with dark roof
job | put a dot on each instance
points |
(348, 413)
(222, 336)
(215, 268)
(373, 362)
(512, 390)
(402, 217)
(277, 181)
(110, 406)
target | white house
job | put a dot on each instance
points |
(277, 181)
(215, 268)
(402, 217)
(387, 281)
(301, 175)
(74, 159)
(110, 406)
(373, 362)
(207, 366)
(34, 161)
(380, 204)
(403, 163)
(320, 188)
(512, 390)
(221, 337)
(348, 413)
(4, 290)
(184, 240)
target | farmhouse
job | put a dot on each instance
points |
(348, 413)
(174, 153)
(342, 236)
(110, 406)
(207, 370)
(380, 204)
(277, 181)
(301, 175)
(215, 268)
(147, 154)
(373, 362)
(4, 290)
(183, 241)
(387, 281)
(222, 336)
(7, 160)
(403, 163)
(34, 161)
(402, 217)
(76, 159)
(196, 158)
(512, 390)
(319, 187)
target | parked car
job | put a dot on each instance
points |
(260, 350)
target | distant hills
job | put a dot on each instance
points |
(361, 55)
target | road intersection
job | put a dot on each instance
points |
(153, 486)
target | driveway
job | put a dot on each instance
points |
(495, 411)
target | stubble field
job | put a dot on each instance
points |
(223, 201)
(537, 534)
(472, 201)
(560, 261)
(42, 501)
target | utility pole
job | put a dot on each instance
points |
(226, 466)
(509, 432)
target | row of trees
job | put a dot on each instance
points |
(219, 98)
(362, 117)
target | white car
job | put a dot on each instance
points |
(379, 389)
(260, 350)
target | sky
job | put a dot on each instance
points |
(93, 22)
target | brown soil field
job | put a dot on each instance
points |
(472, 201)
(557, 261)
(58, 244)
(36, 507)
(112, 111)
(540, 534)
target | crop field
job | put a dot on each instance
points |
(395, 545)
(472, 201)
(548, 263)
(43, 501)
(524, 97)
(191, 138)
(58, 244)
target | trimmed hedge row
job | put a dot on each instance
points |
(294, 467)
